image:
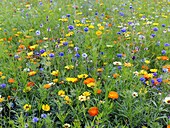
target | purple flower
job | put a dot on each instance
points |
(142, 79)
(163, 52)
(119, 55)
(123, 30)
(65, 43)
(51, 55)
(163, 25)
(43, 115)
(153, 35)
(61, 54)
(70, 27)
(121, 14)
(86, 29)
(154, 74)
(159, 80)
(38, 32)
(68, 15)
(42, 51)
(166, 44)
(76, 48)
(155, 29)
(35, 120)
(3, 85)
(77, 55)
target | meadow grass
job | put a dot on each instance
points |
(84, 64)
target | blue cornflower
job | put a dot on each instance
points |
(153, 35)
(51, 55)
(96, 13)
(155, 74)
(119, 67)
(65, 43)
(42, 51)
(165, 70)
(68, 15)
(40, 3)
(77, 55)
(163, 52)
(163, 25)
(121, 14)
(3, 85)
(130, 7)
(142, 79)
(155, 29)
(38, 32)
(166, 44)
(159, 80)
(43, 115)
(119, 55)
(86, 29)
(16, 56)
(61, 54)
(41, 69)
(152, 81)
(118, 33)
(71, 27)
(35, 120)
(123, 30)
(76, 48)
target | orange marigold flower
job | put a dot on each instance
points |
(98, 91)
(115, 75)
(46, 86)
(93, 111)
(30, 84)
(11, 80)
(168, 126)
(164, 58)
(89, 80)
(113, 95)
(145, 67)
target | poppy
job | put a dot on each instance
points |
(93, 111)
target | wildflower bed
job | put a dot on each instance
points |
(84, 64)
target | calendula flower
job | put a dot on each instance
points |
(55, 80)
(45, 107)
(61, 93)
(153, 70)
(93, 111)
(32, 73)
(86, 94)
(47, 86)
(69, 67)
(147, 61)
(82, 76)
(82, 98)
(11, 80)
(70, 79)
(98, 33)
(1, 73)
(27, 107)
(113, 95)
(55, 73)
(128, 64)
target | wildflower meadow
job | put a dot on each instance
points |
(84, 64)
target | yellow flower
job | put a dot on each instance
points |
(1, 99)
(155, 24)
(45, 107)
(92, 84)
(153, 70)
(101, 28)
(61, 93)
(143, 72)
(55, 80)
(27, 89)
(1, 73)
(147, 61)
(68, 67)
(30, 54)
(91, 26)
(32, 73)
(73, 80)
(27, 107)
(98, 33)
(86, 94)
(3, 77)
(55, 73)
(44, 54)
(128, 64)
(67, 99)
(82, 76)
